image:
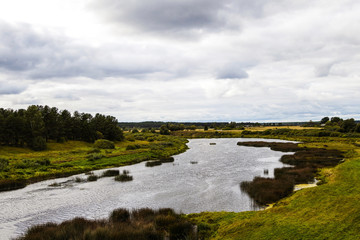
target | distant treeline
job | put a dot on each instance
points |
(36, 125)
(330, 127)
(184, 125)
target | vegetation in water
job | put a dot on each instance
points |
(124, 177)
(141, 224)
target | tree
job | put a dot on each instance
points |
(324, 120)
(348, 125)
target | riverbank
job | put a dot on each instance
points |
(22, 166)
(328, 211)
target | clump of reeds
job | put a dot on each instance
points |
(167, 159)
(153, 163)
(124, 177)
(268, 190)
(92, 178)
(110, 173)
(122, 224)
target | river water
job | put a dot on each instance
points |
(204, 178)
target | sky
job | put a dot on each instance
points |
(183, 60)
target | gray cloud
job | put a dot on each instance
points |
(41, 55)
(232, 71)
(7, 88)
(166, 16)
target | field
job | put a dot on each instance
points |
(21, 166)
(328, 211)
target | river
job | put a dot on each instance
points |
(204, 178)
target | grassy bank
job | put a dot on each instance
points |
(328, 211)
(21, 166)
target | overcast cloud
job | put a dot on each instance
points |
(182, 60)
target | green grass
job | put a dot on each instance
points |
(72, 157)
(328, 211)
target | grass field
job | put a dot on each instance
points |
(328, 211)
(64, 159)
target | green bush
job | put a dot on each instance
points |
(38, 144)
(104, 144)
(110, 173)
(4, 163)
(94, 156)
(133, 147)
(92, 178)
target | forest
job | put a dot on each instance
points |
(35, 126)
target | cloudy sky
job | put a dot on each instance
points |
(183, 60)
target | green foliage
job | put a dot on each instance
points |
(124, 177)
(95, 156)
(110, 173)
(92, 178)
(4, 163)
(133, 146)
(104, 144)
(38, 144)
(37, 124)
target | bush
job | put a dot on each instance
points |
(104, 144)
(268, 190)
(4, 163)
(124, 177)
(110, 173)
(167, 160)
(95, 156)
(38, 144)
(92, 178)
(120, 215)
(133, 147)
(153, 163)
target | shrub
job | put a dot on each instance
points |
(181, 230)
(268, 190)
(4, 163)
(43, 162)
(110, 173)
(94, 150)
(120, 215)
(133, 147)
(92, 178)
(125, 177)
(95, 156)
(153, 163)
(104, 144)
(167, 160)
(143, 213)
(38, 144)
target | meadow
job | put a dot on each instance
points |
(21, 166)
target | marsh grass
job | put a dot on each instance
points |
(306, 162)
(153, 163)
(110, 173)
(138, 224)
(92, 178)
(124, 177)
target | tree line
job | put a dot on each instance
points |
(36, 125)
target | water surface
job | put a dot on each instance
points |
(204, 178)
